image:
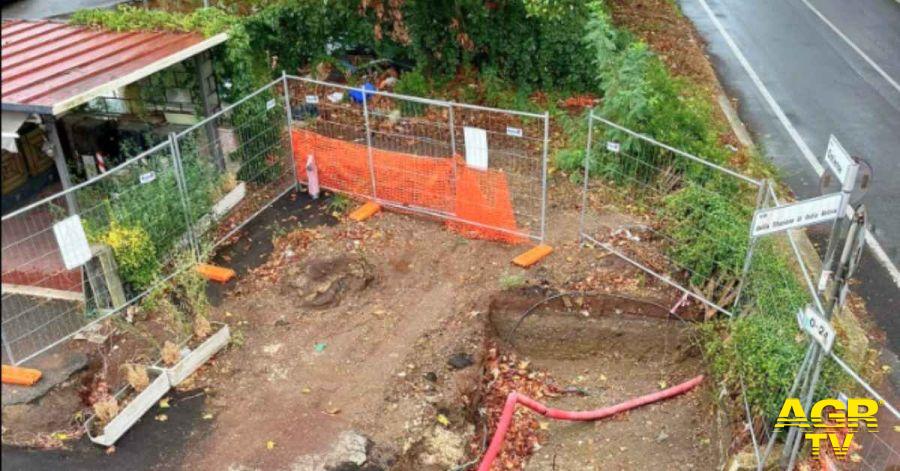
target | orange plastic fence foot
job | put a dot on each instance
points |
(215, 273)
(533, 256)
(365, 211)
(20, 376)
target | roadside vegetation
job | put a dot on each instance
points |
(535, 54)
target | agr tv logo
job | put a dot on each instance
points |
(830, 420)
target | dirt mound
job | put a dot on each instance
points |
(324, 282)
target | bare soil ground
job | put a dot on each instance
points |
(349, 328)
(604, 352)
(353, 332)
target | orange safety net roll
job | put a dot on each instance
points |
(438, 184)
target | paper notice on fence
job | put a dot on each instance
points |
(73, 244)
(476, 148)
(800, 214)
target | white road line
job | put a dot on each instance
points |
(877, 250)
(853, 45)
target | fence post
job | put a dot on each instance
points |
(6, 347)
(365, 99)
(762, 198)
(587, 165)
(452, 131)
(544, 176)
(842, 236)
(290, 126)
(183, 192)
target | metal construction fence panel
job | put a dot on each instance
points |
(873, 447)
(778, 284)
(760, 282)
(77, 257)
(482, 170)
(680, 218)
(245, 153)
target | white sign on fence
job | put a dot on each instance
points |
(514, 132)
(817, 327)
(792, 216)
(73, 244)
(147, 177)
(843, 166)
(476, 147)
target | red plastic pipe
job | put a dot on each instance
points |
(515, 398)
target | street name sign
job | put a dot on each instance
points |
(840, 162)
(800, 214)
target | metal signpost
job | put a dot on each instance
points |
(833, 282)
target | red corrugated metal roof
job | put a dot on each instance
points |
(49, 66)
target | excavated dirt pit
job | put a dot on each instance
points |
(599, 351)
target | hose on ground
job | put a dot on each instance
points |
(515, 398)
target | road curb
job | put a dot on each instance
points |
(846, 319)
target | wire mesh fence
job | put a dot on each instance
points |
(77, 257)
(876, 446)
(686, 220)
(482, 170)
(779, 283)
(246, 151)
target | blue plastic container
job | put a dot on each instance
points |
(357, 96)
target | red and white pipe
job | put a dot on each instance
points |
(515, 398)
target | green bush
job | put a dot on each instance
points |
(412, 83)
(135, 254)
(295, 33)
(154, 208)
(764, 345)
(709, 233)
(262, 142)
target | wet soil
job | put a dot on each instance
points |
(604, 351)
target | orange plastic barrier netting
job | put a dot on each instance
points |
(478, 196)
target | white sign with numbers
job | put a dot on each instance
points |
(72, 242)
(817, 327)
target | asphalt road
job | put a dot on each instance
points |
(820, 85)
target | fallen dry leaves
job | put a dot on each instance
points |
(171, 354)
(505, 373)
(137, 377)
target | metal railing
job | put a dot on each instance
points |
(750, 277)
(165, 209)
(658, 237)
(393, 148)
(134, 227)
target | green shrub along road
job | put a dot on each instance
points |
(562, 48)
